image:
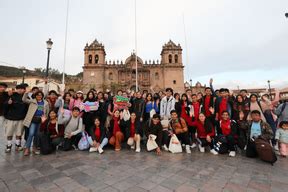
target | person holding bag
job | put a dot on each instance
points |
(154, 129)
(38, 107)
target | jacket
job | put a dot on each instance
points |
(17, 110)
(126, 125)
(266, 130)
(179, 126)
(151, 129)
(32, 109)
(167, 106)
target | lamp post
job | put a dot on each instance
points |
(190, 83)
(49, 47)
(286, 15)
(23, 73)
(269, 89)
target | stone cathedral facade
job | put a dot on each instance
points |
(153, 75)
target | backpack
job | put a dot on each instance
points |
(85, 141)
(45, 142)
(265, 150)
(220, 144)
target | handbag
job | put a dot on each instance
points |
(126, 115)
(151, 143)
(175, 145)
(85, 141)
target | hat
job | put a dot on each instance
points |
(79, 92)
(3, 85)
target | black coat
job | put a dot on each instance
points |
(17, 110)
(126, 125)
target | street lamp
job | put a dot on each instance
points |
(269, 89)
(23, 73)
(286, 15)
(49, 47)
(191, 83)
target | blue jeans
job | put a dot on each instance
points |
(104, 142)
(33, 129)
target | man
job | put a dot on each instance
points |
(255, 128)
(223, 103)
(246, 100)
(189, 94)
(207, 102)
(138, 106)
(14, 112)
(180, 129)
(73, 128)
(3, 98)
(195, 110)
(167, 104)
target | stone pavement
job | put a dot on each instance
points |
(128, 171)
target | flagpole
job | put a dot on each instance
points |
(136, 62)
(185, 39)
(65, 43)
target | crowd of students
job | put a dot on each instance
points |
(205, 120)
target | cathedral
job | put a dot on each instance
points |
(153, 76)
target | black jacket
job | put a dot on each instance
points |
(150, 128)
(138, 106)
(17, 110)
(126, 125)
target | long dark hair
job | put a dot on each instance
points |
(87, 97)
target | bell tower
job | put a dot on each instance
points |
(94, 54)
(171, 54)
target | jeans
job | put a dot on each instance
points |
(33, 129)
(104, 143)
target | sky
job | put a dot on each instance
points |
(236, 42)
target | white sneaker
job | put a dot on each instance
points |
(138, 150)
(213, 152)
(188, 149)
(201, 149)
(100, 150)
(193, 145)
(92, 149)
(165, 148)
(276, 147)
(232, 154)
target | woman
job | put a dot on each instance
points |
(52, 98)
(132, 134)
(99, 136)
(177, 106)
(205, 132)
(115, 132)
(155, 128)
(78, 99)
(66, 102)
(101, 112)
(38, 107)
(88, 116)
(238, 106)
(150, 105)
(51, 125)
(255, 105)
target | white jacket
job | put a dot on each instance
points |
(167, 106)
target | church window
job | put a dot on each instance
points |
(96, 59)
(170, 58)
(90, 59)
(176, 58)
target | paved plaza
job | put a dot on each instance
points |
(130, 171)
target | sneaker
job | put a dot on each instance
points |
(74, 147)
(276, 148)
(188, 149)
(165, 148)
(213, 152)
(138, 150)
(100, 150)
(201, 149)
(36, 152)
(193, 145)
(8, 148)
(232, 154)
(93, 149)
(18, 148)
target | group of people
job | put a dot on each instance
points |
(207, 120)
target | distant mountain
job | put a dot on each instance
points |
(6, 71)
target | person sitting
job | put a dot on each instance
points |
(132, 135)
(99, 136)
(116, 136)
(255, 128)
(229, 128)
(180, 129)
(73, 128)
(53, 128)
(154, 127)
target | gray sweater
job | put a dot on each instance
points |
(71, 125)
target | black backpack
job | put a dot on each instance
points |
(45, 142)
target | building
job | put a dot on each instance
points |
(101, 74)
(30, 80)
